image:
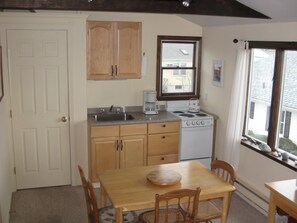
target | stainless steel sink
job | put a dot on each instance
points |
(119, 116)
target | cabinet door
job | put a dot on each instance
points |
(104, 155)
(128, 48)
(100, 50)
(133, 151)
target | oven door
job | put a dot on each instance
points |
(196, 143)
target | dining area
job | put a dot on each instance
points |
(175, 192)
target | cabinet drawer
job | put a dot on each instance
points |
(105, 131)
(161, 127)
(137, 129)
(155, 160)
(166, 143)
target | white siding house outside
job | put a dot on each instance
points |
(261, 90)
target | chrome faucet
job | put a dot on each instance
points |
(110, 109)
(118, 109)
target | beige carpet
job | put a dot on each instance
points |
(66, 204)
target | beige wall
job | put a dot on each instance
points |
(254, 169)
(129, 92)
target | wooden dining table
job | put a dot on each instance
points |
(129, 189)
(283, 194)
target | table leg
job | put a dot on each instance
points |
(103, 197)
(271, 209)
(226, 198)
(119, 215)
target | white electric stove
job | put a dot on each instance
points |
(196, 133)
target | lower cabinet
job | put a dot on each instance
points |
(123, 146)
(163, 142)
(118, 146)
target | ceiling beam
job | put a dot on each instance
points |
(230, 8)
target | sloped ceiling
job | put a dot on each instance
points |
(197, 7)
(200, 12)
(277, 10)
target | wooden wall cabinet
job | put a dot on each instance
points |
(114, 50)
(163, 142)
(117, 146)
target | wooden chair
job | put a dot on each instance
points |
(173, 213)
(224, 170)
(209, 209)
(92, 207)
(89, 197)
(93, 212)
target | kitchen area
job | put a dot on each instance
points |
(86, 94)
(164, 131)
(128, 137)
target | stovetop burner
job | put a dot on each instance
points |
(201, 114)
(178, 112)
(187, 115)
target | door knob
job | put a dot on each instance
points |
(64, 119)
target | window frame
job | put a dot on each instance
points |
(196, 68)
(280, 48)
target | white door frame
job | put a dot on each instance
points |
(75, 25)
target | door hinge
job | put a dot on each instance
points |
(10, 113)
(14, 170)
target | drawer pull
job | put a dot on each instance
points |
(163, 137)
(163, 158)
(164, 126)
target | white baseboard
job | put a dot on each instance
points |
(252, 196)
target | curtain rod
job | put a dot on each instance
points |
(235, 40)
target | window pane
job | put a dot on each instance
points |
(170, 80)
(178, 67)
(261, 81)
(178, 54)
(288, 117)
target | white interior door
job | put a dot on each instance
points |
(39, 87)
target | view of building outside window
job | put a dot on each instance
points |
(261, 77)
(287, 138)
(175, 56)
(260, 93)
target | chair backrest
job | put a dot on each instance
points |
(89, 197)
(93, 214)
(186, 209)
(224, 170)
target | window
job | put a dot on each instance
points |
(252, 110)
(272, 96)
(178, 67)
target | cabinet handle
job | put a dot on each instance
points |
(112, 71)
(116, 70)
(162, 158)
(121, 145)
(163, 137)
(164, 126)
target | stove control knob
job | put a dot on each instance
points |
(202, 123)
(193, 122)
(197, 123)
(188, 123)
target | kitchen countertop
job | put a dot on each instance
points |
(139, 117)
